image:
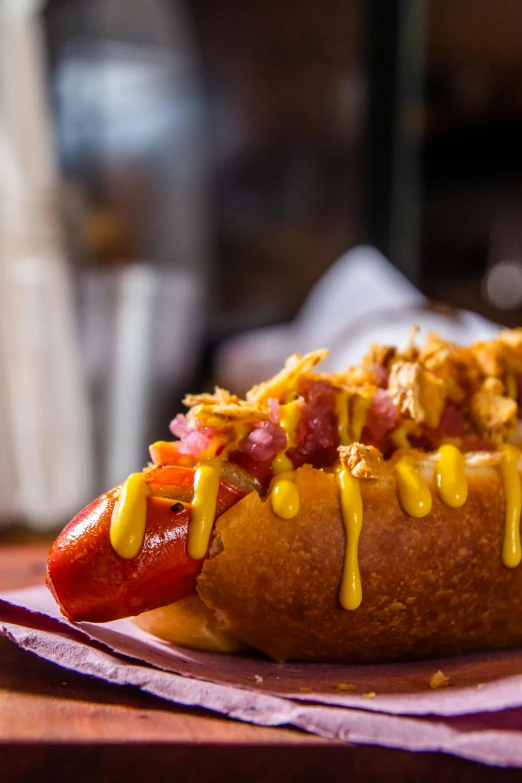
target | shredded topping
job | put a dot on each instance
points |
(364, 462)
(492, 415)
(286, 381)
(417, 392)
(393, 400)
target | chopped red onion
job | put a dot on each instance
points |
(264, 442)
(179, 426)
(193, 440)
(197, 441)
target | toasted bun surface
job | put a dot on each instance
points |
(189, 623)
(431, 587)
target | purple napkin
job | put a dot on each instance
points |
(478, 716)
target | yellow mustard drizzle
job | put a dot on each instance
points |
(414, 493)
(282, 463)
(285, 498)
(285, 495)
(360, 409)
(350, 591)
(399, 438)
(511, 551)
(341, 412)
(206, 488)
(129, 517)
(289, 415)
(451, 476)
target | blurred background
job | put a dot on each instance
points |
(176, 172)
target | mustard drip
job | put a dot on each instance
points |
(414, 493)
(206, 488)
(127, 529)
(511, 551)
(360, 409)
(285, 498)
(341, 412)
(451, 476)
(400, 438)
(282, 463)
(289, 416)
(350, 591)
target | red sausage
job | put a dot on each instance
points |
(91, 582)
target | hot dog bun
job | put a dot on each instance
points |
(191, 624)
(432, 587)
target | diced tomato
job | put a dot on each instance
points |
(385, 444)
(451, 425)
(316, 435)
(473, 442)
(451, 422)
(259, 469)
(382, 415)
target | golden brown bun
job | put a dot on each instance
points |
(189, 623)
(431, 587)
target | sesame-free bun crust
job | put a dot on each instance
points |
(191, 624)
(431, 587)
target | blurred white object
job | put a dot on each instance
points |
(361, 299)
(503, 284)
(45, 450)
(141, 327)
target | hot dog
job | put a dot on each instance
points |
(91, 581)
(367, 515)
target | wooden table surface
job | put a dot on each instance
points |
(72, 727)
